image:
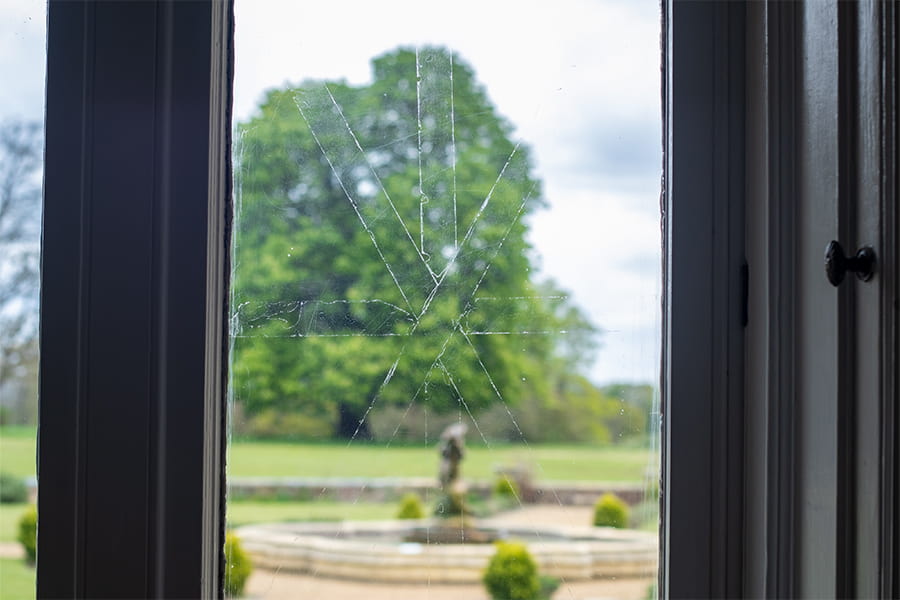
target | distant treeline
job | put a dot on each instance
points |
(614, 414)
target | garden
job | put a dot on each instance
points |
(265, 465)
(387, 303)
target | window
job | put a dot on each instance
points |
(133, 307)
(436, 230)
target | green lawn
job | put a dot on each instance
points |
(241, 512)
(273, 459)
(9, 521)
(17, 451)
(16, 580)
(566, 463)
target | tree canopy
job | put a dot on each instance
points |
(21, 143)
(381, 257)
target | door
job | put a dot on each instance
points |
(820, 358)
(842, 535)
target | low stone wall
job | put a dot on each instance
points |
(354, 551)
(584, 494)
(390, 489)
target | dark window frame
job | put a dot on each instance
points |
(133, 303)
(701, 532)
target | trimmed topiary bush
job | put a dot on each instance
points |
(28, 533)
(411, 507)
(237, 567)
(12, 489)
(506, 488)
(549, 585)
(512, 573)
(611, 511)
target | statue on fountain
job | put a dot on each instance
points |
(454, 523)
(452, 448)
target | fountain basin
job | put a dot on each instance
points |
(376, 551)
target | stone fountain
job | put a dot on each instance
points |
(451, 547)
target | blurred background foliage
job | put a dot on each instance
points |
(384, 284)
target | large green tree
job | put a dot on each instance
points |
(381, 254)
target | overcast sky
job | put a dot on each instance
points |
(579, 81)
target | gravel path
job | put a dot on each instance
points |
(273, 585)
(11, 550)
(290, 586)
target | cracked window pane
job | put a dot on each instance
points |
(23, 39)
(445, 301)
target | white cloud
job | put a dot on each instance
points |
(23, 33)
(604, 248)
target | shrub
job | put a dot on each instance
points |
(611, 511)
(548, 586)
(237, 567)
(512, 574)
(506, 488)
(410, 507)
(12, 489)
(273, 424)
(28, 533)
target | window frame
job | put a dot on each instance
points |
(135, 266)
(133, 303)
(704, 312)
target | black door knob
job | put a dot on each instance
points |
(837, 263)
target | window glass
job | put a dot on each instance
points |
(446, 300)
(22, 68)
